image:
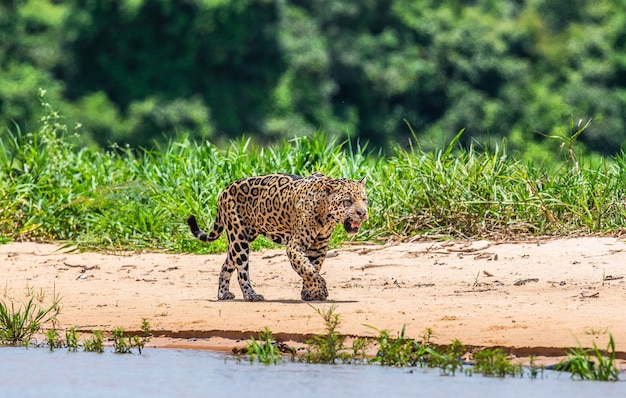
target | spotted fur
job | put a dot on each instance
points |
(298, 212)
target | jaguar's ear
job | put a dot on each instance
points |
(362, 181)
(330, 188)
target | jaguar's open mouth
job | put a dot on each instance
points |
(352, 226)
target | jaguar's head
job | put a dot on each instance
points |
(348, 203)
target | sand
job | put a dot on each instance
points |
(537, 297)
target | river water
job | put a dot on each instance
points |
(36, 372)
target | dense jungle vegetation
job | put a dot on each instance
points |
(140, 72)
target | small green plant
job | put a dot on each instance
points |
(264, 349)
(329, 347)
(427, 336)
(95, 343)
(601, 367)
(494, 362)
(71, 339)
(448, 359)
(53, 339)
(400, 351)
(359, 350)
(534, 370)
(123, 344)
(18, 325)
(139, 342)
(568, 141)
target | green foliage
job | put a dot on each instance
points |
(127, 199)
(95, 343)
(447, 359)
(399, 351)
(121, 343)
(53, 339)
(227, 79)
(325, 348)
(495, 362)
(124, 198)
(71, 339)
(328, 348)
(124, 343)
(19, 324)
(534, 371)
(402, 351)
(142, 72)
(592, 364)
(264, 349)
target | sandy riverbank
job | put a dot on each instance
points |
(537, 297)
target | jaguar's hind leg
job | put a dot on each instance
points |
(240, 251)
(223, 292)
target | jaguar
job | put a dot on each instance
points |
(298, 212)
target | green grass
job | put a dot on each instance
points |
(402, 351)
(494, 362)
(264, 349)
(329, 347)
(399, 351)
(122, 198)
(18, 324)
(592, 364)
(448, 358)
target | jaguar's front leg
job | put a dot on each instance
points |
(313, 285)
(316, 254)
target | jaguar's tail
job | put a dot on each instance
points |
(197, 232)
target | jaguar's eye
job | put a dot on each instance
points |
(347, 202)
